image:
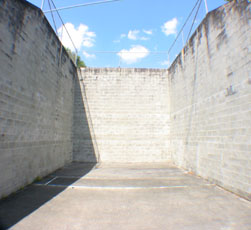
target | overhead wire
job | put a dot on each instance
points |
(53, 18)
(194, 20)
(76, 50)
(182, 27)
(81, 5)
(164, 52)
(55, 26)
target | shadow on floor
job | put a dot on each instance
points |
(24, 202)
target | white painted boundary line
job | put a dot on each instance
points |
(125, 188)
(114, 178)
(48, 182)
(70, 177)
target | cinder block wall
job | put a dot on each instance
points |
(198, 113)
(36, 97)
(210, 93)
(128, 112)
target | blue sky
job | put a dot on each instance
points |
(138, 33)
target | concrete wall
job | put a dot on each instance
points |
(128, 111)
(210, 93)
(36, 97)
(197, 114)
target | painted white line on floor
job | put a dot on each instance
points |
(70, 177)
(51, 180)
(121, 178)
(124, 187)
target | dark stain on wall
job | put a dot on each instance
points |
(221, 38)
(191, 42)
(240, 7)
(200, 33)
(16, 23)
(206, 31)
(217, 18)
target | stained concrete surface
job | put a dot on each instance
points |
(124, 196)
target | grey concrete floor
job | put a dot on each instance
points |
(124, 196)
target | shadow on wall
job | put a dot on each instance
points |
(26, 201)
(84, 145)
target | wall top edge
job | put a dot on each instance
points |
(138, 70)
(40, 15)
(215, 17)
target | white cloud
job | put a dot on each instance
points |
(88, 43)
(166, 63)
(81, 36)
(136, 35)
(148, 32)
(133, 34)
(119, 40)
(88, 56)
(144, 38)
(90, 34)
(170, 27)
(133, 55)
(122, 35)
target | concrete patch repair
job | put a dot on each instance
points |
(114, 148)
